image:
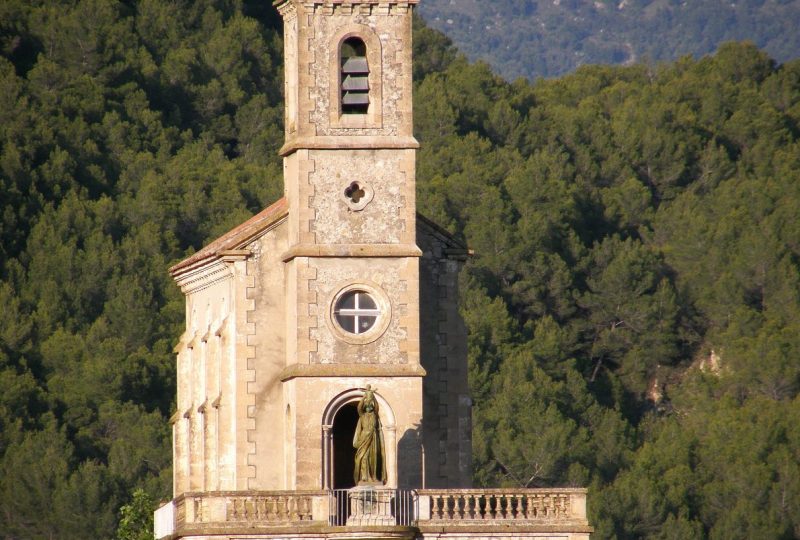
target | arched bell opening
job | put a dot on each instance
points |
(354, 76)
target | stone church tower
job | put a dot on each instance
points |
(338, 285)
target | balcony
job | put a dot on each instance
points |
(382, 513)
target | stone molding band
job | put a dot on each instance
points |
(351, 370)
(355, 142)
(351, 250)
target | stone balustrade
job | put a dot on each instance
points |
(271, 508)
(444, 510)
(468, 506)
(279, 508)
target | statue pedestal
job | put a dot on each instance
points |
(370, 505)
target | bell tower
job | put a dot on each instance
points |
(352, 261)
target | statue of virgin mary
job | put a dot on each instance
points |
(370, 462)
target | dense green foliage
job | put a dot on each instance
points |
(634, 304)
(630, 224)
(546, 38)
(129, 136)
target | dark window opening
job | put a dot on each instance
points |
(344, 455)
(355, 77)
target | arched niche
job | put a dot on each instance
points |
(338, 423)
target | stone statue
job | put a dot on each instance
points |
(370, 463)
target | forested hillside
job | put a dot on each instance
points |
(547, 38)
(633, 304)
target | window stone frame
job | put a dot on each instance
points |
(381, 323)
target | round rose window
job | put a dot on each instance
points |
(356, 312)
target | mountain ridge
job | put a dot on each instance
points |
(538, 38)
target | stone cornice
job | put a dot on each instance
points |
(287, 9)
(351, 370)
(313, 529)
(210, 272)
(464, 527)
(282, 5)
(351, 250)
(349, 142)
(199, 278)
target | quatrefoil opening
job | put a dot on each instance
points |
(357, 195)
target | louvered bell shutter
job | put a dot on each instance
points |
(355, 85)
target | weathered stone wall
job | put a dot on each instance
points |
(447, 406)
(392, 278)
(268, 340)
(388, 176)
(321, 213)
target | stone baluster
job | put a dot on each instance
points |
(471, 506)
(249, 506)
(436, 507)
(524, 506)
(262, 508)
(565, 509)
(284, 511)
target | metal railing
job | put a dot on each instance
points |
(372, 506)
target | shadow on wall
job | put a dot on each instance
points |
(409, 459)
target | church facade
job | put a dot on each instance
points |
(334, 309)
